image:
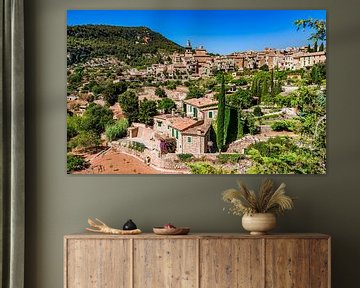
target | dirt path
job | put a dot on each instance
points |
(112, 162)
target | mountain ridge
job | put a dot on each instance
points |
(136, 46)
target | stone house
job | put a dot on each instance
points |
(192, 136)
(201, 108)
(307, 60)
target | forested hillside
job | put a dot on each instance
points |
(137, 46)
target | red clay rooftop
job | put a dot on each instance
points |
(177, 122)
(201, 102)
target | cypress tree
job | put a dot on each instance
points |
(309, 48)
(240, 124)
(272, 83)
(220, 121)
(315, 46)
(264, 88)
(321, 48)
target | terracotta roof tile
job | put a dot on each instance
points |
(201, 102)
(177, 122)
(200, 130)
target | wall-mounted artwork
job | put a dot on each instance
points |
(196, 92)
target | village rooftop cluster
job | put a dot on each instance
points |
(196, 63)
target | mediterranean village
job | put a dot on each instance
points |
(139, 103)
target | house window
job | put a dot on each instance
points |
(189, 139)
(210, 114)
(159, 123)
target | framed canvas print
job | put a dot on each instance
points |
(196, 92)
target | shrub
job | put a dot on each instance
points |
(270, 116)
(284, 125)
(257, 111)
(160, 92)
(137, 146)
(76, 163)
(241, 81)
(207, 168)
(185, 157)
(117, 130)
(171, 86)
(168, 146)
(229, 158)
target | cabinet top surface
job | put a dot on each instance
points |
(87, 235)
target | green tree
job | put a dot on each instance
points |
(318, 73)
(167, 105)
(195, 92)
(221, 116)
(160, 92)
(264, 89)
(147, 111)
(240, 124)
(117, 130)
(73, 124)
(315, 46)
(309, 50)
(319, 27)
(97, 89)
(272, 82)
(321, 47)
(241, 98)
(129, 102)
(96, 117)
(85, 140)
(112, 92)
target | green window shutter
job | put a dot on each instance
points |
(189, 139)
(210, 114)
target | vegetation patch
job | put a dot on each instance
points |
(283, 155)
(117, 130)
(285, 125)
(185, 157)
(137, 146)
(207, 168)
(76, 163)
(229, 158)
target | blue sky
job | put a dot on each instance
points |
(223, 31)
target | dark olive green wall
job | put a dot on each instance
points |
(58, 204)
